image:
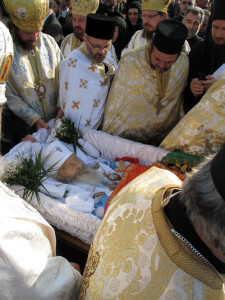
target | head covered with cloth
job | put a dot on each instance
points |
(167, 44)
(98, 35)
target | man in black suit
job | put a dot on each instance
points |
(52, 26)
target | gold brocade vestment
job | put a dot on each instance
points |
(142, 104)
(202, 130)
(134, 254)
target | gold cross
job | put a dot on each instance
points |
(92, 67)
(76, 104)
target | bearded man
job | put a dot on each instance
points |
(152, 13)
(146, 104)
(86, 73)
(80, 10)
(32, 86)
(30, 268)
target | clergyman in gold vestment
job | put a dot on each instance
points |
(157, 242)
(144, 102)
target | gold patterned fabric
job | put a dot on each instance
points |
(202, 130)
(134, 255)
(84, 7)
(70, 43)
(157, 5)
(32, 85)
(28, 15)
(144, 105)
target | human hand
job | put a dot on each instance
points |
(60, 114)
(41, 124)
(75, 266)
(209, 80)
(29, 138)
(196, 87)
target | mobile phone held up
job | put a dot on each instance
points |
(201, 76)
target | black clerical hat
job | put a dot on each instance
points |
(170, 36)
(217, 171)
(218, 12)
(100, 26)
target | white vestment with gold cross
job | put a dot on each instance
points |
(84, 86)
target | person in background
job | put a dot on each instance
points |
(52, 26)
(184, 4)
(206, 58)
(193, 19)
(80, 10)
(108, 8)
(152, 13)
(63, 11)
(121, 6)
(203, 4)
(144, 102)
(56, 4)
(68, 27)
(203, 29)
(122, 37)
(134, 18)
(32, 86)
(30, 268)
(173, 9)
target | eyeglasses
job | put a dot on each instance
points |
(150, 16)
(98, 47)
(189, 3)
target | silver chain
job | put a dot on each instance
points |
(183, 239)
(164, 201)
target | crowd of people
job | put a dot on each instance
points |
(148, 71)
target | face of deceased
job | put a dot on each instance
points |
(70, 169)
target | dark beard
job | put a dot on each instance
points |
(78, 35)
(147, 34)
(28, 45)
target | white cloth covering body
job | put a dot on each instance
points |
(84, 86)
(29, 268)
(73, 214)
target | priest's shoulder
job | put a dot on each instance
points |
(135, 53)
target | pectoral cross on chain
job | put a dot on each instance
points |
(40, 90)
